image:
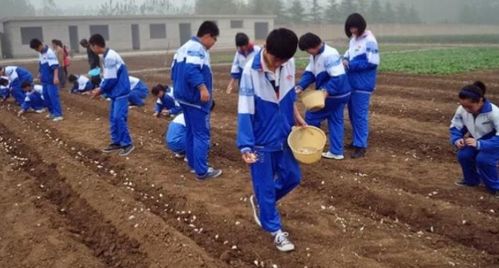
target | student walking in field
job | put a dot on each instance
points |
(474, 131)
(116, 86)
(49, 77)
(193, 84)
(17, 76)
(326, 70)
(245, 51)
(266, 114)
(361, 62)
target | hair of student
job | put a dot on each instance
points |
(1, 68)
(72, 78)
(84, 42)
(97, 40)
(208, 27)
(57, 42)
(96, 80)
(282, 43)
(474, 92)
(35, 43)
(308, 41)
(4, 82)
(156, 89)
(355, 20)
(26, 84)
(241, 40)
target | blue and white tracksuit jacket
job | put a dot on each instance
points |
(363, 57)
(191, 69)
(5, 90)
(34, 99)
(17, 76)
(480, 163)
(138, 92)
(169, 103)
(116, 86)
(240, 60)
(265, 119)
(48, 64)
(327, 71)
(82, 84)
(175, 135)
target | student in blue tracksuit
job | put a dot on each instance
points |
(33, 100)
(245, 51)
(17, 76)
(4, 88)
(325, 68)
(116, 86)
(165, 104)
(81, 83)
(361, 61)
(192, 78)
(266, 114)
(474, 131)
(49, 77)
(138, 92)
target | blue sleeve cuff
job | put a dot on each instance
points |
(246, 150)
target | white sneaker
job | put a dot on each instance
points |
(58, 118)
(179, 156)
(256, 210)
(48, 116)
(282, 242)
(330, 155)
(39, 111)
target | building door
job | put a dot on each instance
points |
(261, 30)
(74, 43)
(185, 32)
(135, 37)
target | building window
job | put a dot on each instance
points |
(28, 33)
(236, 24)
(158, 31)
(100, 29)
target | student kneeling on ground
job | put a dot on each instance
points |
(165, 104)
(4, 88)
(266, 114)
(81, 84)
(138, 92)
(33, 100)
(116, 86)
(475, 132)
(16, 76)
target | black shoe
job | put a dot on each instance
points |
(127, 150)
(113, 147)
(463, 183)
(359, 152)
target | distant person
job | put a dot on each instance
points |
(361, 62)
(17, 76)
(138, 92)
(266, 113)
(193, 84)
(245, 51)
(80, 84)
(326, 70)
(474, 130)
(58, 48)
(33, 100)
(4, 88)
(116, 86)
(165, 104)
(93, 60)
(49, 77)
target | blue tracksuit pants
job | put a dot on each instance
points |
(138, 95)
(274, 175)
(118, 121)
(479, 166)
(358, 111)
(333, 113)
(17, 91)
(197, 141)
(52, 100)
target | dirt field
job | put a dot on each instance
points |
(65, 204)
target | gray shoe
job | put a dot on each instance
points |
(113, 147)
(211, 173)
(127, 150)
(282, 242)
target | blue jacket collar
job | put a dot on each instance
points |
(323, 47)
(45, 49)
(257, 61)
(105, 53)
(487, 107)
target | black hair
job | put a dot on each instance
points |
(97, 40)
(156, 89)
(308, 41)
(35, 43)
(96, 80)
(208, 27)
(84, 42)
(355, 20)
(4, 82)
(474, 92)
(212, 105)
(26, 84)
(72, 78)
(241, 40)
(282, 43)
(57, 42)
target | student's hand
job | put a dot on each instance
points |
(205, 95)
(95, 93)
(325, 93)
(346, 64)
(20, 113)
(249, 158)
(460, 144)
(155, 114)
(56, 81)
(471, 142)
(298, 89)
(300, 122)
(230, 87)
(165, 112)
